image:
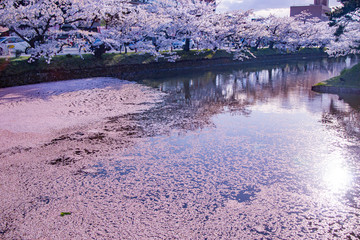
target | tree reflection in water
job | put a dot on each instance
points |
(344, 119)
(195, 96)
(262, 157)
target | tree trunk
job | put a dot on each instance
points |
(187, 45)
(187, 91)
(257, 44)
(271, 46)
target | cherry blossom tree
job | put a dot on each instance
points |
(126, 23)
(348, 42)
(292, 33)
(256, 34)
(278, 31)
(309, 32)
(182, 20)
(233, 32)
(156, 27)
(37, 21)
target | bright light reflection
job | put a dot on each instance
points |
(336, 176)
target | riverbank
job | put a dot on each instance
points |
(347, 82)
(131, 66)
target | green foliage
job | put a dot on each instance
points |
(269, 52)
(320, 84)
(311, 50)
(347, 78)
(266, 52)
(65, 213)
(348, 6)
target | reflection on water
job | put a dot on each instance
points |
(246, 153)
(268, 88)
(337, 177)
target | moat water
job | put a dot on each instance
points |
(244, 152)
(251, 153)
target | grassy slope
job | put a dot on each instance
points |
(20, 65)
(15, 66)
(349, 78)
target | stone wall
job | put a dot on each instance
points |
(135, 72)
(335, 89)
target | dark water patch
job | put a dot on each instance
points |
(14, 150)
(95, 171)
(247, 194)
(97, 137)
(62, 161)
(44, 199)
(124, 170)
(78, 136)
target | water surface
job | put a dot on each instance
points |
(247, 153)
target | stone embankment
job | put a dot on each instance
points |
(138, 71)
(335, 89)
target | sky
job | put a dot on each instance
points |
(266, 7)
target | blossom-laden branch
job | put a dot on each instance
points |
(160, 26)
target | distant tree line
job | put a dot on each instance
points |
(156, 27)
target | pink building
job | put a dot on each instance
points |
(318, 9)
